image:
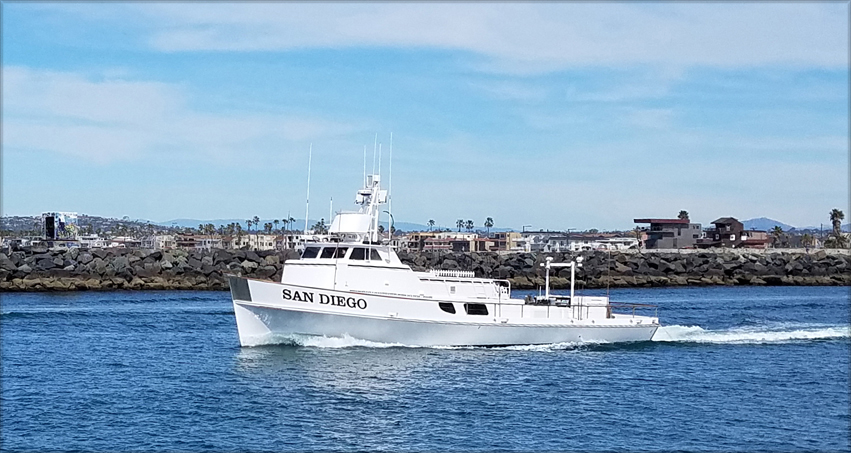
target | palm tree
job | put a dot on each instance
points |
(460, 224)
(430, 224)
(683, 215)
(320, 228)
(489, 224)
(291, 221)
(470, 225)
(267, 227)
(249, 222)
(836, 217)
(276, 222)
(238, 229)
(777, 233)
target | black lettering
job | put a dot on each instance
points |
(308, 297)
(287, 294)
(364, 304)
(297, 296)
(350, 302)
(324, 299)
(341, 301)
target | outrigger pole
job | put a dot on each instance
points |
(572, 265)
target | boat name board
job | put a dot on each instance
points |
(324, 299)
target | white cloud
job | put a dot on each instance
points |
(524, 37)
(116, 120)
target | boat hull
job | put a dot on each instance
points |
(262, 317)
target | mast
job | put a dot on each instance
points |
(307, 203)
(374, 150)
(390, 182)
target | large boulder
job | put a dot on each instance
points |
(45, 264)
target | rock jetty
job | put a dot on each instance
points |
(39, 269)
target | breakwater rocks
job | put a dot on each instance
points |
(96, 269)
(115, 268)
(651, 268)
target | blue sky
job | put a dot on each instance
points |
(555, 115)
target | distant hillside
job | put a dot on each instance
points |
(765, 224)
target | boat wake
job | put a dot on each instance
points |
(781, 333)
(346, 341)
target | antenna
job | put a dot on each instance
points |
(364, 165)
(374, 148)
(379, 161)
(307, 203)
(390, 181)
(331, 210)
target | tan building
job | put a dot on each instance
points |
(509, 240)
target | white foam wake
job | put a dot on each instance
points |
(778, 334)
(345, 341)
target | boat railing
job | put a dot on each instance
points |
(612, 308)
(627, 308)
(452, 273)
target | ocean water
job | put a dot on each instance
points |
(733, 369)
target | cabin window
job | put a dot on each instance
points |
(310, 252)
(340, 252)
(373, 255)
(328, 252)
(476, 309)
(447, 307)
(358, 254)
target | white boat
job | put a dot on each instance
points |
(351, 283)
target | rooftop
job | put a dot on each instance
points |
(679, 221)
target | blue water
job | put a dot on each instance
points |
(734, 369)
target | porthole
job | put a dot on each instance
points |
(448, 307)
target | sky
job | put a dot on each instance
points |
(548, 115)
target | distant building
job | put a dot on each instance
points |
(416, 240)
(261, 241)
(508, 240)
(208, 242)
(557, 243)
(447, 243)
(159, 242)
(729, 232)
(59, 226)
(93, 241)
(124, 242)
(538, 241)
(584, 242)
(670, 233)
